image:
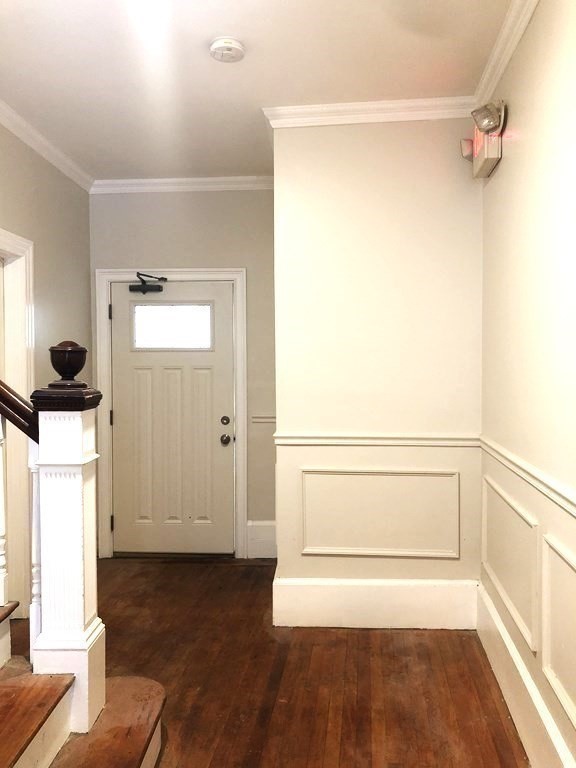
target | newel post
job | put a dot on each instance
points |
(71, 639)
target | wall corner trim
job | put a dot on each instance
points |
(196, 184)
(396, 110)
(515, 23)
(375, 603)
(12, 121)
(261, 539)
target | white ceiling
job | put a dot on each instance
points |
(126, 88)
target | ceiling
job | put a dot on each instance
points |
(126, 88)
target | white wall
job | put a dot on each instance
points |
(39, 203)
(377, 252)
(529, 578)
(378, 349)
(215, 229)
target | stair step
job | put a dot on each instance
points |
(26, 703)
(127, 732)
(15, 666)
(5, 647)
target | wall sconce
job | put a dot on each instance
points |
(485, 149)
(490, 117)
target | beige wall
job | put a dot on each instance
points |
(530, 383)
(216, 229)
(41, 204)
(530, 269)
(377, 252)
(378, 329)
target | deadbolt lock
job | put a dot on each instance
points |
(225, 420)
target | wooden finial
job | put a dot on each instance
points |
(66, 394)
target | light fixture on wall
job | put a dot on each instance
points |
(485, 149)
(489, 118)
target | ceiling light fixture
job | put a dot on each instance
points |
(228, 50)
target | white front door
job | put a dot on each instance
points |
(173, 418)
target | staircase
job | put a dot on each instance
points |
(60, 711)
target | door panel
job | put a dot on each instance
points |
(173, 478)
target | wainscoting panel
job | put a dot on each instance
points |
(526, 616)
(510, 556)
(391, 513)
(377, 531)
(559, 624)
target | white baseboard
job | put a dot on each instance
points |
(540, 735)
(375, 603)
(261, 538)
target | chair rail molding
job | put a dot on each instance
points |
(103, 345)
(559, 493)
(417, 441)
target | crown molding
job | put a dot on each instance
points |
(397, 110)
(12, 121)
(517, 19)
(199, 184)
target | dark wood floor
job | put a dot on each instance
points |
(244, 694)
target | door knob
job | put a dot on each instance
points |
(225, 439)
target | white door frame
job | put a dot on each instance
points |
(104, 280)
(17, 254)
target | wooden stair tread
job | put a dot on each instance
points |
(8, 609)
(15, 666)
(26, 702)
(121, 735)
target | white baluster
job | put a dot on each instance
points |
(36, 592)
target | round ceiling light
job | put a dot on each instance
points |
(227, 50)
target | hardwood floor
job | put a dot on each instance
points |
(243, 694)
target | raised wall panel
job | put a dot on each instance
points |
(202, 435)
(142, 440)
(510, 556)
(559, 623)
(172, 455)
(393, 513)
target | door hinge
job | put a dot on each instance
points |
(109, 311)
(112, 523)
(111, 418)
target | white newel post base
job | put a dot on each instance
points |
(72, 636)
(87, 662)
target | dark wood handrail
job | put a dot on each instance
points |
(18, 411)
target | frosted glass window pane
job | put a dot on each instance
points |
(173, 326)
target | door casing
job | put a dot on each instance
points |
(103, 346)
(17, 253)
